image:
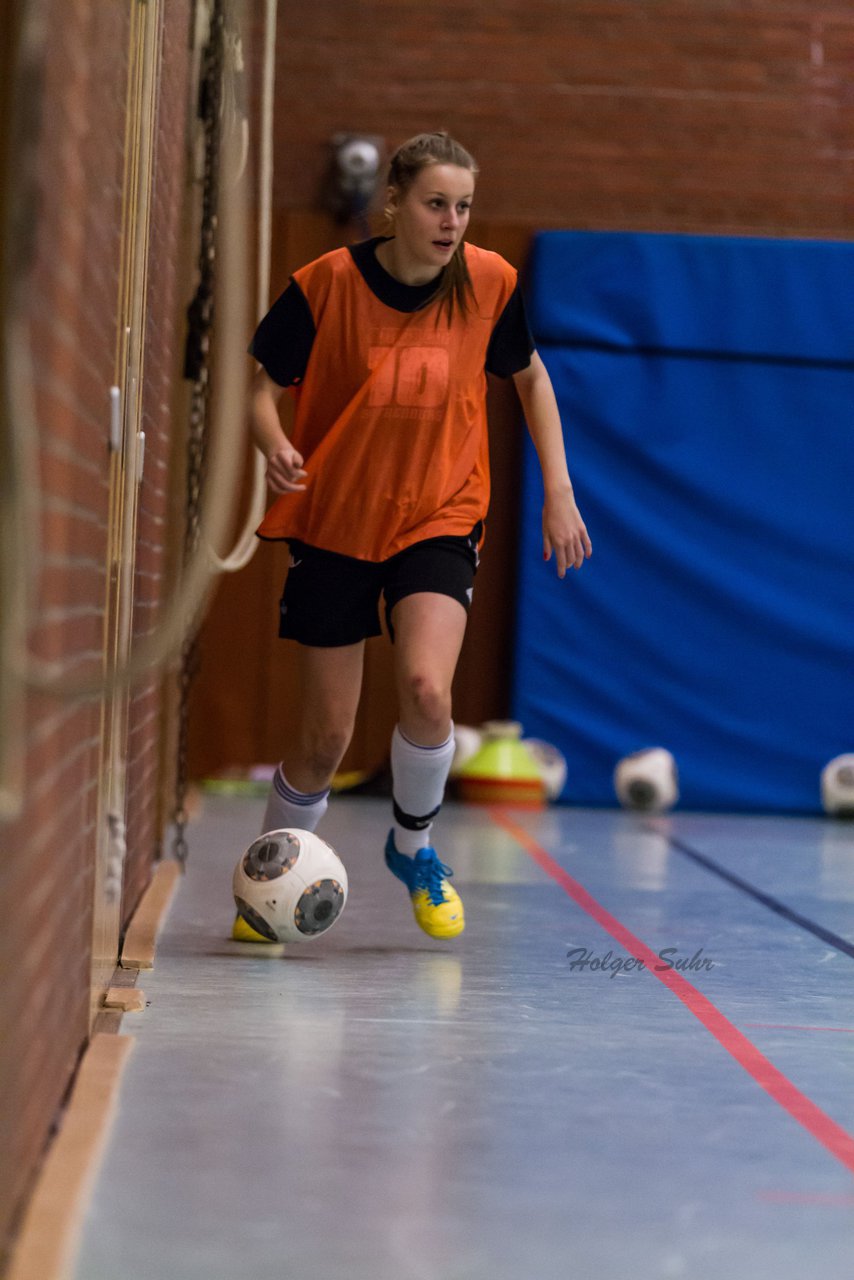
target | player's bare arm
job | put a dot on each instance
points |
(284, 462)
(564, 531)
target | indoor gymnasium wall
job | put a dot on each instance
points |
(48, 870)
(729, 116)
(78, 153)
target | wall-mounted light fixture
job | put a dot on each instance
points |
(353, 175)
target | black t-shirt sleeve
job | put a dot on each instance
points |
(511, 345)
(284, 338)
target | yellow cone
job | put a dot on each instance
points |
(503, 771)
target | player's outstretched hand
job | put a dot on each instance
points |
(284, 470)
(565, 533)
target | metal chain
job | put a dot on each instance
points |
(200, 315)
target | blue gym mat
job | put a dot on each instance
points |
(706, 388)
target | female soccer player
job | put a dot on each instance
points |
(384, 486)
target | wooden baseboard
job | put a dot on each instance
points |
(141, 936)
(46, 1246)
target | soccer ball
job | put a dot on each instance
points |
(290, 885)
(837, 786)
(647, 780)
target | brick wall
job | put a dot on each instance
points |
(47, 885)
(731, 116)
(72, 306)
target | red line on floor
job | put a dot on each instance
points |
(816, 1122)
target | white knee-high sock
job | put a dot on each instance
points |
(287, 807)
(419, 775)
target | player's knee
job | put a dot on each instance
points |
(428, 698)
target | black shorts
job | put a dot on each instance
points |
(331, 600)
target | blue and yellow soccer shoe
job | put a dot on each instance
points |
(437, 906)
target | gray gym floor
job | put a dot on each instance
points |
(375, 1105)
